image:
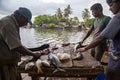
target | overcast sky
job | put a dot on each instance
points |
(39, 7)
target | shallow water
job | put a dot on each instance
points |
(35, 37)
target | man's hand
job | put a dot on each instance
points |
(45, 52)
(81, 42)
(80, 50)
(36, 54)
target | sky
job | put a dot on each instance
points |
(40, 7)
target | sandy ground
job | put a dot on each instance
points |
(25, 76)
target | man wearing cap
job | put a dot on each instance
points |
(10, 43)
(112, 32)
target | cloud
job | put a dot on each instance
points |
(53, 1)
(36, 6)
(39, 7)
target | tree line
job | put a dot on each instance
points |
(63, 17)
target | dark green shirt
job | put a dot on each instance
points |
(9, 39)
(99, 24)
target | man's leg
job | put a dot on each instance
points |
(99, 50)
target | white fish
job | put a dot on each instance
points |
(45, 63)
(39, 65)
(29, 65)
(63, 56)
(54, 60)
(53, 57)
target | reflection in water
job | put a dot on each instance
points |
(35, 37)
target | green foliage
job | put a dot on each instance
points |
(43, 19)
(58, 17)
(85, 15)
(52, 25)
(89, 22)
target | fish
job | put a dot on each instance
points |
(65, 44)
(24, 62)
(38, 64)
(80, 46)
(29, 65)
(63, 56)
(45, 63)
(80, 55)
(54, 60)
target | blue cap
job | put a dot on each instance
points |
(26, 13)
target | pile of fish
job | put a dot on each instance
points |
(53, 59)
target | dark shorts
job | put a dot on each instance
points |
(113, 74)
(9, 72)
(99, 50)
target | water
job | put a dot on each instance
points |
(35, 37)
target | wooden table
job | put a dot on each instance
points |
(83, 68)
(71, 72)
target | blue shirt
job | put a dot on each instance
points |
(112, 32)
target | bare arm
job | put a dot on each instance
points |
(42, 47)
(88, 34)
(94, 43)
(23, 50)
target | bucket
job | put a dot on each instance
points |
(101, 77)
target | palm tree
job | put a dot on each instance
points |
(85, 14)
(67, 11)
(59, 14)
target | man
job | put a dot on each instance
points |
(98, 24)
(112, 32)
(10, 43)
